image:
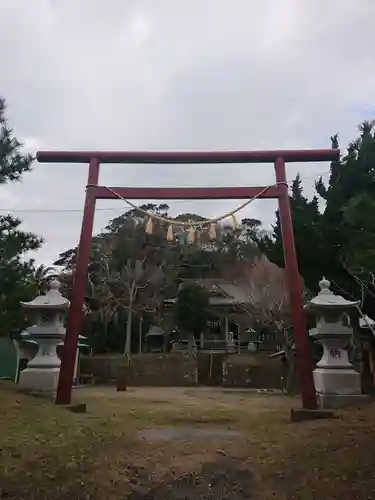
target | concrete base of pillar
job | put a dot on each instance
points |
(76, 408)
(302, 415)
(331, 401)
(40, 380)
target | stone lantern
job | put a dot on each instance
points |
(47, 313)
(336, 382)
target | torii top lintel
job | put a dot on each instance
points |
(191, 157)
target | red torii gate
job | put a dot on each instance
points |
(280, 191)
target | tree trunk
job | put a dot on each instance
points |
(140, 334)
(291, 382)
(105, 335)
(127, 350)
(291, 376)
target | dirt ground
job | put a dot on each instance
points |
(176, 443)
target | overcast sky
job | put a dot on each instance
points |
(176, 75)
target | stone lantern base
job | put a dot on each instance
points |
(333, 401)
(337, 387)
(40, 380)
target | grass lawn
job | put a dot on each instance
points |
(218, 444)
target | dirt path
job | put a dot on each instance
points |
(222, 480)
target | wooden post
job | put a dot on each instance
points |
(226, 330)
(140, 331)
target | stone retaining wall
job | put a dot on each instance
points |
(181, 369)
(255, 371)
(178, 369)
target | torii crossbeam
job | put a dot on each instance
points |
(279, 191)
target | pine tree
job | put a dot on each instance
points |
(16, 281)
(350, 203)
(307, 235)
(338, 242)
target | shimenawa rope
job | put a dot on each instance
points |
(191, 225)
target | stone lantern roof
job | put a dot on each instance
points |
(52, 299)
(326, 299)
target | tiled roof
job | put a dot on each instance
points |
(223, 292)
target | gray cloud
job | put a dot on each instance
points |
(197, 74)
